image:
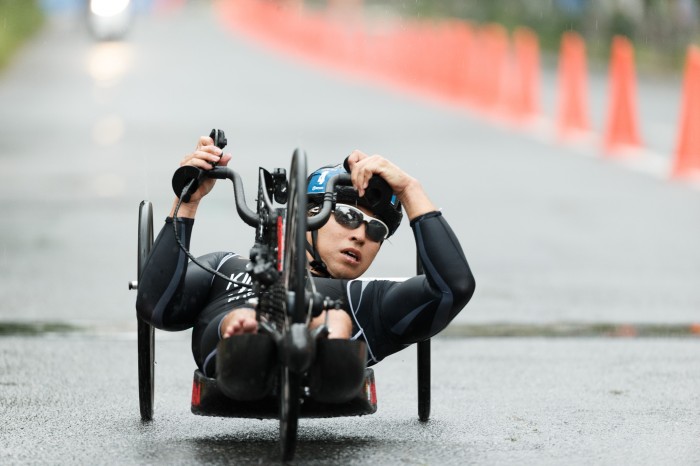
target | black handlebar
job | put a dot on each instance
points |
(320, 219)
(248, 216)
(186, 181)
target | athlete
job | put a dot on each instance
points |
(387, 315)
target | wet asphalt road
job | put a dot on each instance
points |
(514, 401)
(89, 130)
(553, 236)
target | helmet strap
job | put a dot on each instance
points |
(317, 265)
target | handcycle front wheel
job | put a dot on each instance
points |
(294, 261)
(290, 391)
(145, 332)
(294, 272)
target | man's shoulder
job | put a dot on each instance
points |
(381, 279)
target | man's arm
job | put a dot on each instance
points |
(170, 297)
(171, 294)
(423, 306)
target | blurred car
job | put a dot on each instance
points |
(109, 19)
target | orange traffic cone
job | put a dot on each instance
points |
(477, 69)
(462, 37)
(527, 64)
(572, 116)
(687, 156)
(494, 60)
(622, 130)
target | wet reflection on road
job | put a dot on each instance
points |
(108, 62)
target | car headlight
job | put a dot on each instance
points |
(108, 7)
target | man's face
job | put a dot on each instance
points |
(346, 253)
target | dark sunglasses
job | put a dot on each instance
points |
(352, 218)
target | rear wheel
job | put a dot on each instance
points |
(294, 283)
(145, 332)
(423, 369)
(423, 380)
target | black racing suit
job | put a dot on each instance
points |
(388, 315)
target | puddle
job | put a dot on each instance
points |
(36, 328)
(571, 330)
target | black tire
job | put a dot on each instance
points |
(423, 348)
(145, 332)
(290, 391)
(423, 380)
(294, 281)
(295, 237)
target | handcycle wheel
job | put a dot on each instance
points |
(290, 391)
(423, 380)
(295, 238)
(294, 281)
(145, 332)
(423, 348)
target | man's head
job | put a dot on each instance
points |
(346, 246)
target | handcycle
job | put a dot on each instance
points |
(287, 371)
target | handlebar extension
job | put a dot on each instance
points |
(186, 181)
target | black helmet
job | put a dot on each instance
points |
(385, 208)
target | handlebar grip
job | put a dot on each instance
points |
(378, 191)
(183, 176)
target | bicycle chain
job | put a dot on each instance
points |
(272, 305)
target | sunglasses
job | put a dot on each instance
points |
(352, 218)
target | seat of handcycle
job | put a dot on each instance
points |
(247, 385)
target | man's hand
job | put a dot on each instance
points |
(408, 189)
(238, 322)
(204, 155)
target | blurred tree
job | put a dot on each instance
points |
(19, 19)
(660, 29)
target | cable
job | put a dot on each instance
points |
(310, 311)
(184, 249)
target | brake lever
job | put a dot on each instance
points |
(219, 140)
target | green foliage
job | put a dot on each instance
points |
(19, 19)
